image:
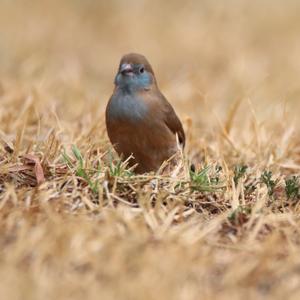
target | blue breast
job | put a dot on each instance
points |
(125, 106)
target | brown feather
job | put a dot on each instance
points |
(135, 59)
(151, 139)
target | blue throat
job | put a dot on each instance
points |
(127, 103)
(134, 82)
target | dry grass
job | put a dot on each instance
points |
(75, 224)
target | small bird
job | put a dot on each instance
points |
(140, 121)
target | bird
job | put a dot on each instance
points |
(141, 124)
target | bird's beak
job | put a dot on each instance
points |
(126, 69)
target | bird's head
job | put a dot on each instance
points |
(135, 73)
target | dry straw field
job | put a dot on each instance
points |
(77, 224)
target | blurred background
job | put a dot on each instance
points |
(210, 57)
(230, 68)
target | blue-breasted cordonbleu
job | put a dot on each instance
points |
(140, 121)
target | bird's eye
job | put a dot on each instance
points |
(142, 70)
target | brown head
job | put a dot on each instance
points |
(135, 72)
(136, 59)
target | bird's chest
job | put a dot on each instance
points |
(127, 108)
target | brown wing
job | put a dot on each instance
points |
(163, 110)
(172, 120)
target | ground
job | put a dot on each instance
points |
(76, 223)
